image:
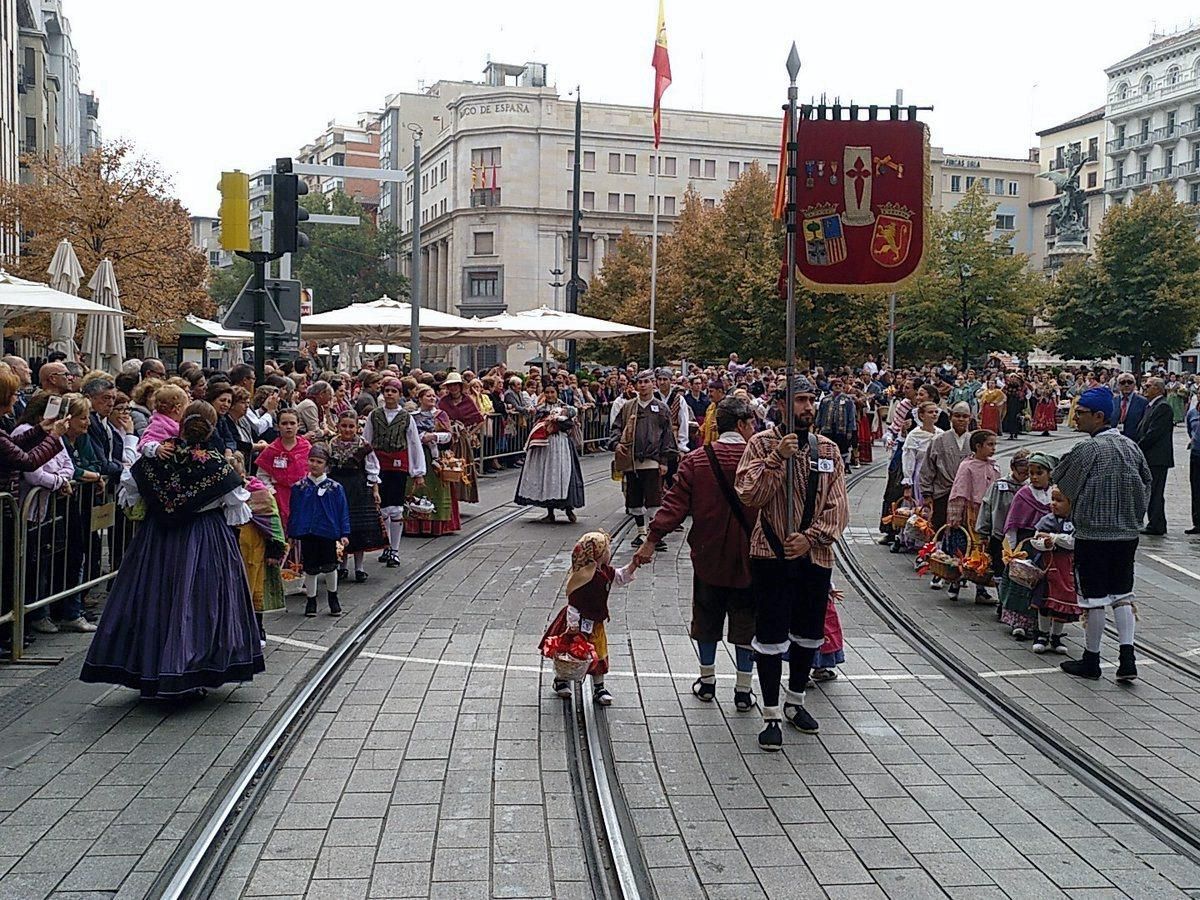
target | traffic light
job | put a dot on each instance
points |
(235, 210)
(288, 211)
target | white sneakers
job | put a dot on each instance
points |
(81, 625)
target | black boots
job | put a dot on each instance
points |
(1127, 670)
(335, 608)
(1089, 666)
(310, 607)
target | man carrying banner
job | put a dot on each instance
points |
(791, 572)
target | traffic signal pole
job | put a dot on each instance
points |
(258, 289)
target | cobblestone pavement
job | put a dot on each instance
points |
(449, 780)
(97, 788)
(437, 767)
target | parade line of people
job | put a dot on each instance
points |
(238, 486)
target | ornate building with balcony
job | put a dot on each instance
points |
(1152, 120)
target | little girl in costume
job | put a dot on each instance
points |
(1055, 601)
(588, 584)
(833, 651)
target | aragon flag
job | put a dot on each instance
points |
(661, 64)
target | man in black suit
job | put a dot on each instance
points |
(1154, 437)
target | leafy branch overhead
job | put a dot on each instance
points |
(113, 204)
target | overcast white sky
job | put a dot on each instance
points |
(217, 85)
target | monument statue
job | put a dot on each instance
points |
(1069, 213)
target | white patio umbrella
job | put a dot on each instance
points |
(19, 297)
(387, 321)
(65, 275)
(545, 325)
(103, 336)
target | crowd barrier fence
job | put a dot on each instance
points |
(504, 435)
(54, 548)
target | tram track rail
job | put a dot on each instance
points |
(612, 851)
(1170, 827)
(195, 868)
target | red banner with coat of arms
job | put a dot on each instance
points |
(862, 200)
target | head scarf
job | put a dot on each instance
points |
(586, 558)
(1045, 460)
(1097, 399)
(961, 407)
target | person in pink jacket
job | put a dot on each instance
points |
(285, 461)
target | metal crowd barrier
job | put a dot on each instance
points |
(54, 548)
(504, 435)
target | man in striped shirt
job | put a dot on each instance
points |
(791, 572)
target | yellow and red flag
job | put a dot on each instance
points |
(661, 64)
(780, 206)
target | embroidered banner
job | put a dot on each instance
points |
(862, 198)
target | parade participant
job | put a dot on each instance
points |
(865, 409)
(837, 418)
(320, 520)
(589, 582)
(179, 617)
(354, 466)
(720, 548)
(916, 447)
(434, 431)
(975, 477)
(1030, 504)
(716, 393)
(1155, 439)
(1045, 410)
(946, 452)
(551, 477)
(893, 442)
(1192, 423)
(993, 512)
(1055, 599)
(392, 433)
(1108, 483)
(991, 403)
(644, 439)
(285, 461)
(698, 403)
(833, 652)
(791, 574)
(672, 395)
(466, 421)
(169, 403)
(263, 546)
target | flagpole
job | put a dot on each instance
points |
(654, 250)
(793, 70)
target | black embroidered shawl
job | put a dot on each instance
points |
(179, 486)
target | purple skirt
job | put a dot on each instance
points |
(179, 615)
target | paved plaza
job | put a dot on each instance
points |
(438, 765)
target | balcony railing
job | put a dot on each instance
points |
(1160, 90)
(1189, 128)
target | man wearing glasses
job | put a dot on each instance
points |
(1128, 405)
(54, 378)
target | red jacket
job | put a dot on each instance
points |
(720, 546)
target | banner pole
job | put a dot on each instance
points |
(793, 70)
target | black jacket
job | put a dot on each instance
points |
(1154, 435)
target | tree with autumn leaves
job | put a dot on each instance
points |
(718, 275)
(119, 205)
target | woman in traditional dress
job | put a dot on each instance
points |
(1030, 504)
(434, 429)
(1045, 413)
(991, 407)
(356, 469)
(1016, 402)
(866, 436)
(466, 421)
(551, 477)
(179, 616)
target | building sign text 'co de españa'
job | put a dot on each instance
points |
(483, 109)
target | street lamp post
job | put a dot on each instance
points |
(414, 357)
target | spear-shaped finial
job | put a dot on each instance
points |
(793, 63)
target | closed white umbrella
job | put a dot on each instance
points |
(103, 336)
(546, 325)
(65, 275)
(19, 297)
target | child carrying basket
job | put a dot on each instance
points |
(975, 477)
(576, 640)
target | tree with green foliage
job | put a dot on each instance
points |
(975, 295)
(1139, 296)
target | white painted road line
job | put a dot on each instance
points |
(1175, 566)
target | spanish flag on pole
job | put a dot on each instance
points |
(662, 70)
